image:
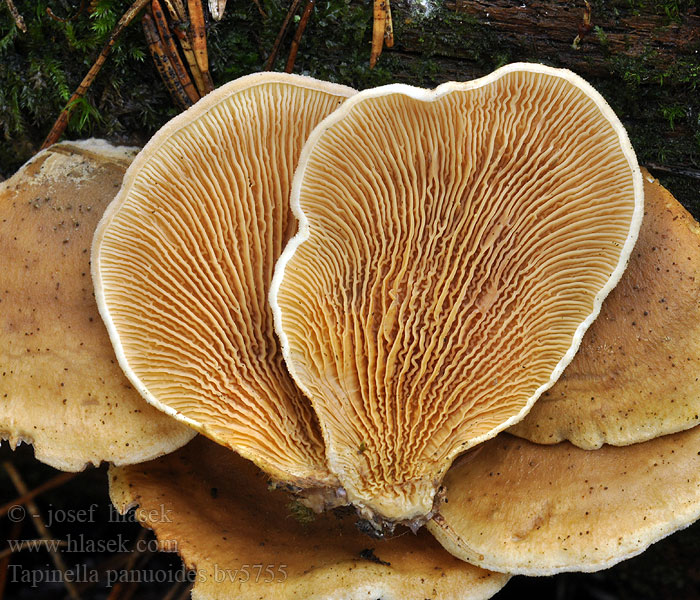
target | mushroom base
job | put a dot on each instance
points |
(322, 499)
(377, 526)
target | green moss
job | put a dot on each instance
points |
(671, 9)
(301, 513)
(444, 32)
(40, 69)
(672, 113)
(601, 36)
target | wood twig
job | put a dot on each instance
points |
(378, 31)
(55, 17)
(217, 8)
(22, 545)
(19, 21)
(60, 125)
(5, 562)
(164, 64)
(289, 67)
(59, 479)
(116, 593)
(177, 11)
(111, 562)
(178, 15)
(171, 49)
(673, 170)
(42, 529)
(280, 36)
(584, 27)
(389, 30)
(263, 14)
(198, 39)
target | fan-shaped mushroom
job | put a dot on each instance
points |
(183, 259)
(508, 505)
(534, 509)
(61, 388)
(453, 247)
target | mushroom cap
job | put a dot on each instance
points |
(183, 259)
(453, 247)
(216, 510)
(636, 375)
(61, 388)
(524, 508)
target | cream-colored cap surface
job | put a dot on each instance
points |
(531, 509)
(454, 244)
(243, 542)
(61, 388)
(183, 259)
(637, 373)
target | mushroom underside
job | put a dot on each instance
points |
(453, 247)
(183, 259)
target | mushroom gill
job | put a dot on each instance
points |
(183, 258)
(538, 509)
(453, 247)
(508, 505)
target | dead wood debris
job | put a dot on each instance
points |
(19, 21)
(382, 30)
(62, 121)
(297, 36)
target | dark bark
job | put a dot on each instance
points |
(549, 27)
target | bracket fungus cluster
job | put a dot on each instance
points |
(453, 250)
(245, 523)
(509, 505)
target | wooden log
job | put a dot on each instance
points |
(540, 29)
